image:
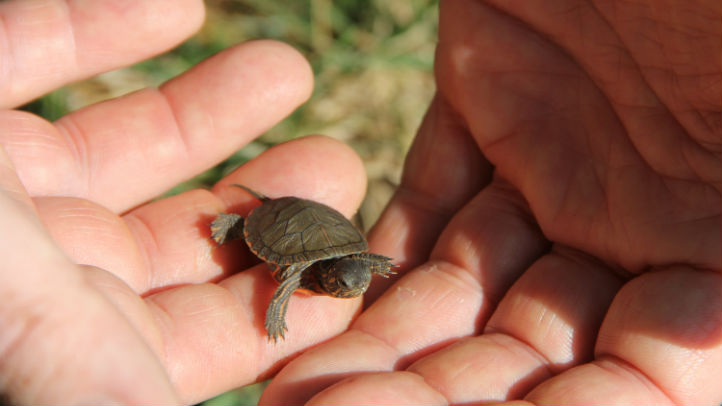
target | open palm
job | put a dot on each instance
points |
(558, 221)
(107, 298)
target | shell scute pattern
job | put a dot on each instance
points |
(285, 231)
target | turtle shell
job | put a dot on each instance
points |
(289, 230)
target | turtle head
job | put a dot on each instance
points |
(346, 277)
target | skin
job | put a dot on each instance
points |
(152, 282)
(585, 268)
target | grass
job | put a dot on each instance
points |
(372, 62)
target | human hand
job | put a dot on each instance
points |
(558, 220)
(152, 315)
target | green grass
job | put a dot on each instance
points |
(247, 395)
(372, 62)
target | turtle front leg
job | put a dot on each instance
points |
(226, 227)
(276, 312)
(378, 264)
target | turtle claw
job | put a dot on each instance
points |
(386, 270)
(276, 329)
(378, 264)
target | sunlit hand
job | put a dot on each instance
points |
(104, 298)
(558, 219)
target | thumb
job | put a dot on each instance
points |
(60, 340)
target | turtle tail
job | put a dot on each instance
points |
(257, 195)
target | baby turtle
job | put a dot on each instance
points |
(308, 246)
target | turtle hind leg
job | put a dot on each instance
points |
(276, 312)
(226, 227)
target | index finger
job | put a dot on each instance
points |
(443, 170)
(439, 300)
(449, 297)
(124, 151)
(48, 43)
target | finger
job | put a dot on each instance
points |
(42, 364)
(167, 242)
(478, 256)
(398, 388)
(49, 43)
(545, 324)
(12, 186)
(660, 343)
(444, 169)
(125, 151)
(211, 337)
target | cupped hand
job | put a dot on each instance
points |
(558, 221)
(107, 298)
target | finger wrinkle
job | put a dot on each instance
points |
(9, 56)
(149, 223)
(493, 237)
(183, 133)
(430, 384)
(444, 162)
(625, 370)
(498, 336)
(401, 318)
(15, 335)
(497, 366)
(144, 237)
(40, 155)
(400, 387)
(457, 275)
(458, 285)
(586, 261)
(600, 384)
(10, 184)
(76, 141)
(383, 342)
(164, 323)
(426, 203)
(27, 377)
